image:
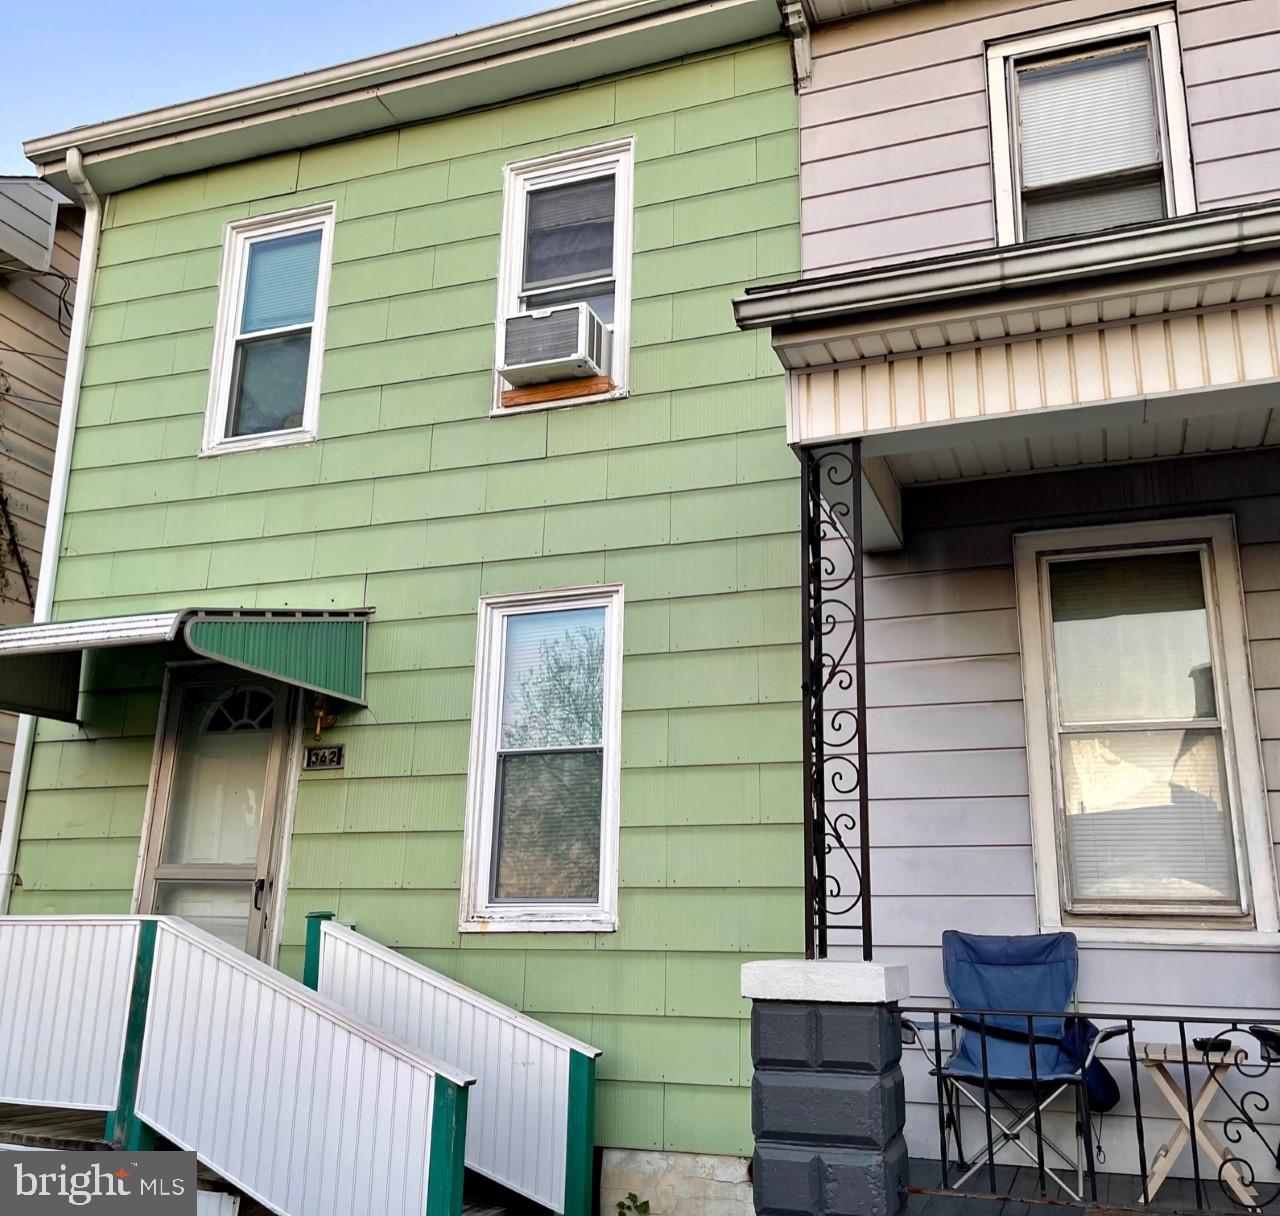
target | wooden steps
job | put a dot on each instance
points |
(85, 1131)
(72, 1131)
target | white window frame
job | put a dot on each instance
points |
(1175, 142)
(240, 237)
(1242, 749)
(478, 913)
(520, 178)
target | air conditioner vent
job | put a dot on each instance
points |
(565, 343)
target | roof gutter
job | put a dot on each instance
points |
(11, 830)
(1204, 237)
(356, 76)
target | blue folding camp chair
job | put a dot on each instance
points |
(1009, 1066)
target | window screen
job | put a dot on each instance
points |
(569, 233)
(1145, 806)
(1089, 143)
(569, 246)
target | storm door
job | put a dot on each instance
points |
(213, 847)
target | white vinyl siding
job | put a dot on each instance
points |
(542, 810)
(264, 387)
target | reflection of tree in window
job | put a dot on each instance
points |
(561, 699)
(551, 759)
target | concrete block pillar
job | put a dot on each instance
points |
(828, 1107)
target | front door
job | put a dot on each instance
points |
(213, 845)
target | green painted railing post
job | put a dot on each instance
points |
(311, 959)
(447, 1165)
(124, 1129)
(580, 1155)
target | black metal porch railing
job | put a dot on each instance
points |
(1009, 1104)
(837, 853)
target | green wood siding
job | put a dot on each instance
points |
(414, 501)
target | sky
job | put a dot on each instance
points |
(82, 61)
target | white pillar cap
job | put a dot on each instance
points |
(824, 980)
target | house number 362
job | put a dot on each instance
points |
(325, 757)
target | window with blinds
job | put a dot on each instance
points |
(1089, 144)
(1145, 811)
(265, 382)
(542, 799)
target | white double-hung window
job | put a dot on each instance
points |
(542, 803)
(264, 382)
(564, 289)
(1146, 784)
(1089, 129)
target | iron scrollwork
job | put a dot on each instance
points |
(1251, 1054)
(837, 886)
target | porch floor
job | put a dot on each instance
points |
(1018, 1194)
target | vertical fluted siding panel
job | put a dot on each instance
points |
(63, 1007)
(1026, 373)
(276, 1093)
(517, 1115)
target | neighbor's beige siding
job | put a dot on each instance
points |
(33, 347)
(895, 145)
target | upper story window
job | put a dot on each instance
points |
(542, 807)
(1089, 129)
(264, 387)
(1146, 788)
(564, 299)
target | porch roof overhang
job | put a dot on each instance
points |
(1123, 345)
(319, 650)
(888, 298)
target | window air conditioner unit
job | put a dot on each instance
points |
(568, 342)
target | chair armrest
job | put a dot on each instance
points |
(1268, 1038)
(925, 1034)
(915, 1029)
(1111, 1032)
(1105, 1035)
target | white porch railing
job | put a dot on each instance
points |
(294, 1100)
(531, 1122)
(64, 1003)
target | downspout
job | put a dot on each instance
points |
(43, 610)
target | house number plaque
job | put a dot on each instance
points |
(321, 758)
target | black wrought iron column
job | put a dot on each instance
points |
(837, 850)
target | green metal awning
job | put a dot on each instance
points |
(319, 650)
